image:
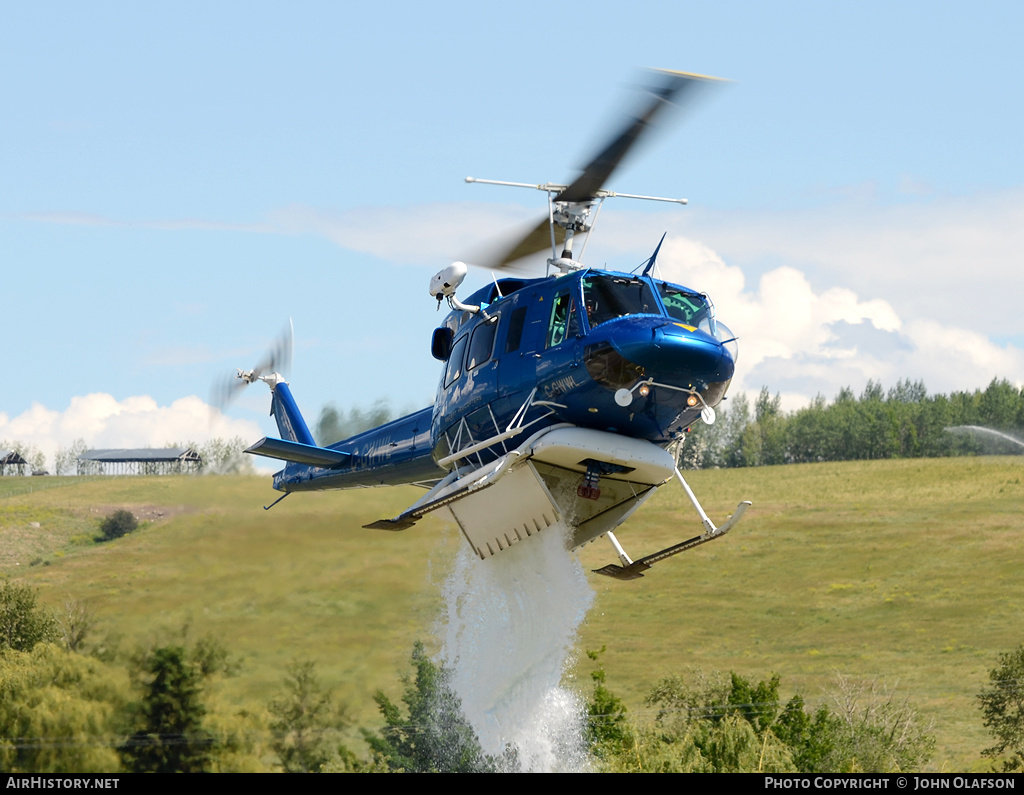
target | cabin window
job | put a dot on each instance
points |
(482, 343)
(683, 305)
(455, 361)
(609, 297)
(563, 320)
(515, 330)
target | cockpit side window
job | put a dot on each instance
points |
(454, 370)
(689, 307)
(482, 343)
(564, 322)
(609, 297)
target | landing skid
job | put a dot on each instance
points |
(633, 569)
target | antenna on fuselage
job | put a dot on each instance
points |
(654, 256)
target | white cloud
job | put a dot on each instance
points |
(104, 422)
(941, 348)
(784, 318)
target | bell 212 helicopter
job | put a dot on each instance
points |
(561, 398)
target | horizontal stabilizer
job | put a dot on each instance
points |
(299, 453)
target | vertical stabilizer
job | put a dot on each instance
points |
(289, 421)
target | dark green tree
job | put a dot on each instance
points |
(711, 726)
(170, 738)
(873, 392)
(1002, 706)
(907, 391)
(435, 736)
(333, 424)
(209, 656)
(608, 731)
(119, 523)
(23, 623)
(330, 425)
(999, 406)
(757, 704)
(809, 736)
(771, 423)
(304, 721)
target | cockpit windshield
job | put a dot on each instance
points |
(683, 305)
(609, 297)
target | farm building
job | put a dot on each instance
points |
(11, 463)
(144, 461)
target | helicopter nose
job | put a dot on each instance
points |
(681, 351)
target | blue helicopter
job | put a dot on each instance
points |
(563, 398)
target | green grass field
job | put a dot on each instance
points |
(905, 571)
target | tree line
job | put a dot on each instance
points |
(903, 422)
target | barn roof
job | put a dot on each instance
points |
(120, 455)
(11, 457)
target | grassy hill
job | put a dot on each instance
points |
(907, 571)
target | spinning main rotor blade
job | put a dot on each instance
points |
(670, 88)
(537, 239)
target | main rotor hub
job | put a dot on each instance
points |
(572, 215)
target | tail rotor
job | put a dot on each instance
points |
(272, 368)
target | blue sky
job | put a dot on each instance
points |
(177, 181)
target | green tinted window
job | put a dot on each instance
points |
(681, 304)
(563, 320)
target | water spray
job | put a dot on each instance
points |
(978, 430)
(507, 632)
